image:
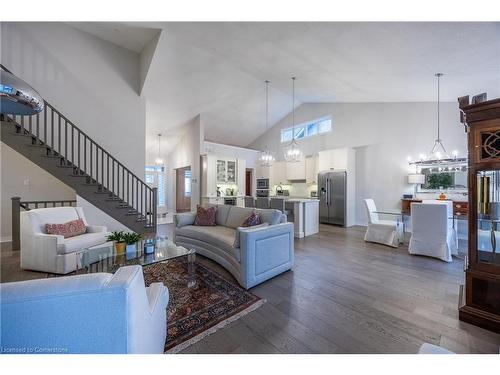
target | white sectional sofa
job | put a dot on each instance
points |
(252, 255)
(93, 313)
(51, 253)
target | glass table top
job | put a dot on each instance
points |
(105, 258)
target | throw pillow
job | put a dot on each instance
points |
(205, 216)
(70, 229)
(252, 220)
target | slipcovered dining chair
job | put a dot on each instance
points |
(386, 232)
(432, 234)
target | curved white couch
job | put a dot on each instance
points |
(252, 255)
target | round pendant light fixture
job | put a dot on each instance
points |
(292, 153)
(17, 97)
(266, 157)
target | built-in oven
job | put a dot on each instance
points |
(262, 183)
(262, 192)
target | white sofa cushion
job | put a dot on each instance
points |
(218, 236)
(72, 244)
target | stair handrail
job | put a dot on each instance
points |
(148, 209)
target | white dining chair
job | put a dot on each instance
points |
(386, 232)
(432, 234)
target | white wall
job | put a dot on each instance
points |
(383, 135)
(186, 153)
(91, 81)
(22, 178)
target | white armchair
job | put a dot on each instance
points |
(92, 313)
(432, 235)
(52, 253)
(386, 232)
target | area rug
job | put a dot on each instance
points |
(194, 313)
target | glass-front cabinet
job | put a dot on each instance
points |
(480, 298)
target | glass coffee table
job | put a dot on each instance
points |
(104, 257)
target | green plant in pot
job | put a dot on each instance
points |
(117, 238)
(131, 239)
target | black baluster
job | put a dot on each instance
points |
(59, 134)
(51, 128)
(38, 125)
(45, 123)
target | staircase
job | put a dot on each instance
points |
(54, 143)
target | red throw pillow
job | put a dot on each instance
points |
(252, 220)
(205, 216)
(70, 229)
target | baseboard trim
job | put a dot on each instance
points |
(6, 239)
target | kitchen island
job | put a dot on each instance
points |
(304, 213)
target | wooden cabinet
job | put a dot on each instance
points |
(296, 171)
(312, 169)
(480, 299)
(460, 208)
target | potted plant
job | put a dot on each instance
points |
(131, 239)
(117, 238)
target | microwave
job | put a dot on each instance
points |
(262, 183)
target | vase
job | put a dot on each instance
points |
(120, 247)
(131, 248)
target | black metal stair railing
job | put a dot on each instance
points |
(79, 151)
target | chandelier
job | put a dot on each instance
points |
(266, 157)
(159, 160)
(293, 154)
(438, 154)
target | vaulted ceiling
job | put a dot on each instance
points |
(218, 69)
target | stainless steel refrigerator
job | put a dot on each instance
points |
(332, 197)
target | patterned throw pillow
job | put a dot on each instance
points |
(70, 229)
(252, 220)
(205, 216)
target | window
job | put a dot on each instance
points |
(155, 177)
(307, 130)
(187, 183)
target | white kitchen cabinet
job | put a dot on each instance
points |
(278, 173)
(263, 172)
(312, 169)
(240, 172)
(296, 171)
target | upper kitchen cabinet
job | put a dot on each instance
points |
(312, 169)
(231, 172)
(221, 170)
(263, 172)
(337, 159)
(296, 171)
(278, 175)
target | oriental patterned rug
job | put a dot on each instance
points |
(196, 312)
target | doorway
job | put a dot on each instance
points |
(183, 189)
(248, 181)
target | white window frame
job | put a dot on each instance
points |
(305, 126)
(155, 172)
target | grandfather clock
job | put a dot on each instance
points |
(480, 297)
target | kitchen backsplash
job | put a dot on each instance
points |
(299, 189)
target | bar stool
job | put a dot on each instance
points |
(262, 202)
(249, 202)
(278, 204)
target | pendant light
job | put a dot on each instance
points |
(438, 153)
(266, 157)
(17, 97)
(159, 160)
(293, 154)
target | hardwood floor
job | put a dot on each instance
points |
(344, 296)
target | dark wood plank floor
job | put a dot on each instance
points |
(344, 296)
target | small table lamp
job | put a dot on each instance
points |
(416, 179)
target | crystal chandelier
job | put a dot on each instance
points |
(438, 153)
(293, 154)
(159, 160)
(266, 157)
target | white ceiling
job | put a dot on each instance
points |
(217, 70)
(130, 35)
